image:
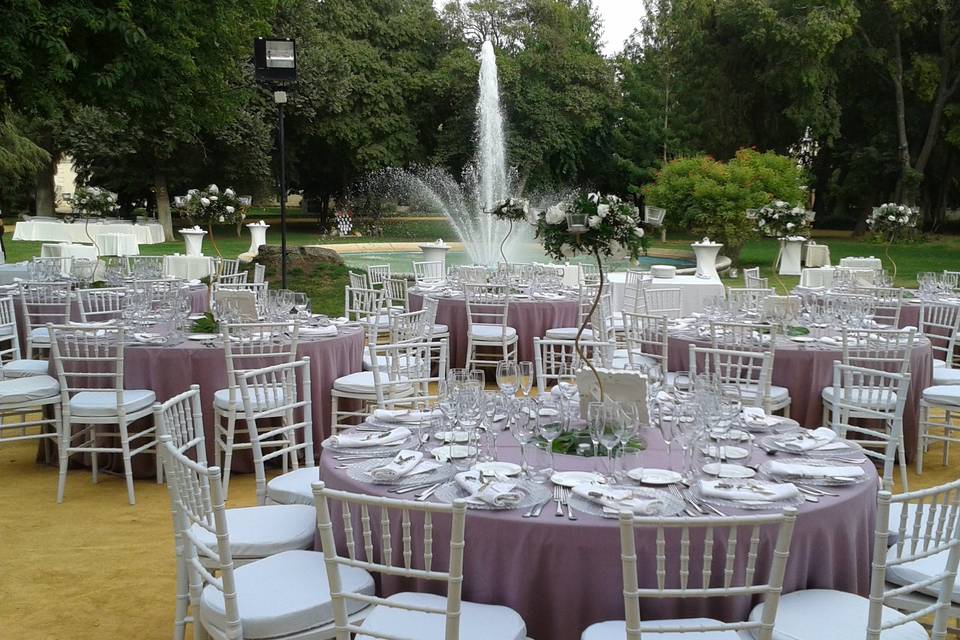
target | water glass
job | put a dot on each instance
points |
(508, 377)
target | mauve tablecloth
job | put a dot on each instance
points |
(531, 319)
(168, 371)
(563, 575)
(806, 371)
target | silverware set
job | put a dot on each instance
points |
(561, 495)
(697, 507)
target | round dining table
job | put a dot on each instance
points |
(530, 317)
(563, 575)
(806, 368)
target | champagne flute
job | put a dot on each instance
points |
(526, 377)
(595, 426)
(508, 377)
(549, 426)
(523, 427)
(627, 423)
(609, 437)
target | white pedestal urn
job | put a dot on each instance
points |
(790, 250)
(193, 238)
(258, 237)
(435, 252)
(706, 254)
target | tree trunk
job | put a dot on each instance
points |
(45, 195)
(903, 143)
(164, 214)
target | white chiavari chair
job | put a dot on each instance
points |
(248, 298)
(472, 274)
(871, 394)
(12, 365)
(259, 273)
(278, 407)
(825, 614)
(749, 300)
(232, 278)
(646, 341)
(430, 272)
(432, 330)
(664, 302)
(750, 272)
(654, 216)
(397, 295)
(228, 267)
(887, 303)
(255, 532)
(589, 274)
(247, 346)
(89, 365)
(49, 268)
(744, 336)
(282, 595)
(367, 306)
(633, 298)
(378, 274)
(101, 305)
(43, 303)
(489, 338)
(755, 282)
(401, 376)
(945, 401)
(144, 267)
(359, 280)
(553, 358)
(405, 614)
(940, 324)
(749, 371)
(682, 543)
(585, 299)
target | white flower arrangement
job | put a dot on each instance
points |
(609, 225)
(778, 219)
(93, 202)
(891, 221)
(211, 206)
(513, 209)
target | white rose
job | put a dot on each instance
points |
(205, 201)
(639, 232)
(213, 189)
(555, 215)
(214, 198)
(229, 193)
(188, 197)
(230, 209)
(526, 207)
(603, 210)
(796, 210)
(220, 219)
(790, 226)
(612, 199)
(594, 221)
(892, 218)
(593, 197)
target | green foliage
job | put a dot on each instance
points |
(712, 197)
(206, 324)
(607, 226)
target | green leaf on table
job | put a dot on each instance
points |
(793, 331)
(206, 324)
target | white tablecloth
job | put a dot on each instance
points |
(67, 250)
(187, 267)
(117, 244)
(818, 255)
(695, 290)
(8, 272)
(57, 231)
(862, 263)
(817, 277)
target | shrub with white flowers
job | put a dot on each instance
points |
(211, 206)
(592, 224)
(778, 220)
(92, 202)
(891, 221)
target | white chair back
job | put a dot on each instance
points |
(654, 216)
(88, 358)
(552, 357)
(750, 371)
(144, 267)
(359, 280)
(881, 349)
(364, 305)
(9, 335)
(412, 524)
(748, 300)
(229, 267)
(487, 304)
(101, 305)
(701, 544)
(940, 324)
(664, 302)
(378, 274)
(259, 273)
(646, 340)
(282, 392)
(589, 274)
(633, 299)
(397, 292)
(43, 303)
(743, 336)
(232, 278)
(408, 374)
(255, 345)
(181, 418)
(428, 272)
(750, 272)
(887, 303)
(408, 327)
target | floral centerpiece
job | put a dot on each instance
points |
(211, 207)
(596, 225)
(511, 210)
(779, 220)
(891, 222)
(92, 202)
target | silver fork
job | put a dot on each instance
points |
(565, 500)
(557, 495)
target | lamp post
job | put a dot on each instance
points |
(275, 65)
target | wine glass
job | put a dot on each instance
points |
(567, 381)
(595, 427)
(301, 303)
(508, 377)
(609, 436)
(549, 426)
(523, 427)
(627, 423)
(526, 377)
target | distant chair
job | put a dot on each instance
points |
(654, 216)
(428, 272)
(664, 302)
(378, 274)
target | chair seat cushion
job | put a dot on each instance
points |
(283, 594)
(104, 403)
(917, 570)
(25, 367)
(617, 630)
(564, 333)
(272, 397)
(944, 376)
(39, 334)
(6, 330)
(258, 532)
(774, 394)
(363, 382)
(440, 330)
(19, 390)
(824, 614)
(943, 394)
(939, 363)
(294, 487)
(492, 332)
(477, 621)
(874, 399)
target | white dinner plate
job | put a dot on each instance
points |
(730, 453)
(573, 478)
(498, 468)
(802, 339)
(724, 470)
(453, 452)
(738, 435)
(203, 337)
(654, 476)
(452, 436)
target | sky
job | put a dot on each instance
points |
(620, 18)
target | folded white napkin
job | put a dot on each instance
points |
(403, 415)
(762, 338)
(755, 416)
(358, 440)
(617, 500)
(821, 439)
(498, 492)
(194, 282)
(405, 463)
(146, 338)
(329, 330)
(833, 342)
(746, 490)
(800, 470)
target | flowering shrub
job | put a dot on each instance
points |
(211, 206)
(891, 221)
(93, 201)
(591, 224)
(344, 222)
(513, 209)
(778, 219)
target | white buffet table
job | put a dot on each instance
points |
(187, 267)
(117, 244)
(59, 231)
(696, 290)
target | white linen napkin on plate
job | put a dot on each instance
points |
(358, 440)
(329, 330)
(746, 490)
(801, 470)
(616, 500)
(820, 439)
(403, 415)
(498, 492)
(755, 416)
(146, 338)
(405, 463)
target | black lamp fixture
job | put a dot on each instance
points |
(275, 65)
